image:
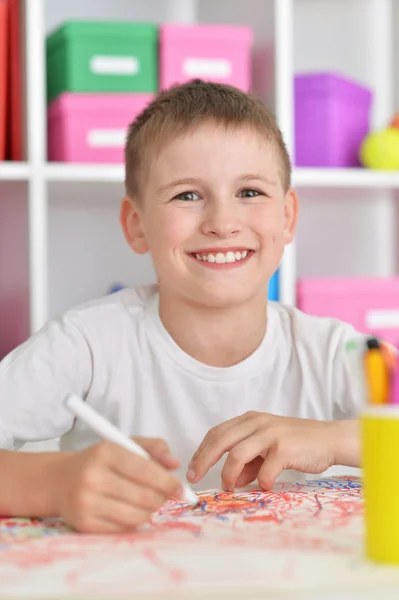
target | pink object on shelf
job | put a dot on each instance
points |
(332, 118)
(219, 53)
(371, 305)
(91, 128)
(394, 395)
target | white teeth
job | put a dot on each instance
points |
(220, 258)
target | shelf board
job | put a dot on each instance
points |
(345, 178)
(97, 173)
(302, 177)
(14, 171)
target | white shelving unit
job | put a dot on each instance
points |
(60, 242)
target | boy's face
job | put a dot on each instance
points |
(214, 215)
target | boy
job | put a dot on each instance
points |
(201, 360)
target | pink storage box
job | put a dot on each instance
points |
(219, 53)
(371, 305)
(91, 128)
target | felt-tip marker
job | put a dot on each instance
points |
(376, 371)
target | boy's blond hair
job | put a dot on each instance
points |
(181, 108)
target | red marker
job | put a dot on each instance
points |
(394, 392)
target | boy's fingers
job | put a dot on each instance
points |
(131, 493)
(239, 456)
(159, 450)
(145, 472)
(217, 432)
(249, 472)
(97, 526)
(168, 461)
(270, 470)
(122, 515)
(215, 445)
(156, 445)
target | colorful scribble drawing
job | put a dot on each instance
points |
(297, 536)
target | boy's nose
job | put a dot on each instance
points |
(222, 221)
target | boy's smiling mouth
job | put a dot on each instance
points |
(222, 257)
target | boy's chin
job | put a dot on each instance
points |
(227, 298)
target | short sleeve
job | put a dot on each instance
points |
(348, 379)
(35, 378)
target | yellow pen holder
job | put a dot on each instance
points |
(380, 448)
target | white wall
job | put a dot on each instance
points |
(57, 11)
(86, 245)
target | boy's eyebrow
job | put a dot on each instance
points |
(183, 181)
(252, 176)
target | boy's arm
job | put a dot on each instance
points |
(28, 481)
(102, 489)
(261, 445)
(347, 443)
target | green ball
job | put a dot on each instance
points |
(380, 150)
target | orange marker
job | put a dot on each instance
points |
(376, 372)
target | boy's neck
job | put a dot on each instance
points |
(215, 337)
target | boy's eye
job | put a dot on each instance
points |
(249, 193)
(187, 196)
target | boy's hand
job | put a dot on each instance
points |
(107, 489)
(261, 445)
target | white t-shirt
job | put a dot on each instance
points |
(117, 354)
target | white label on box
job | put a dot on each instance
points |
(207, 67)
(382, 319)
(106, 138)
(114, 65)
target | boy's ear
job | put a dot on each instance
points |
(131, 221)
(290, 215)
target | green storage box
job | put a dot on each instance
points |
(102, 57)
